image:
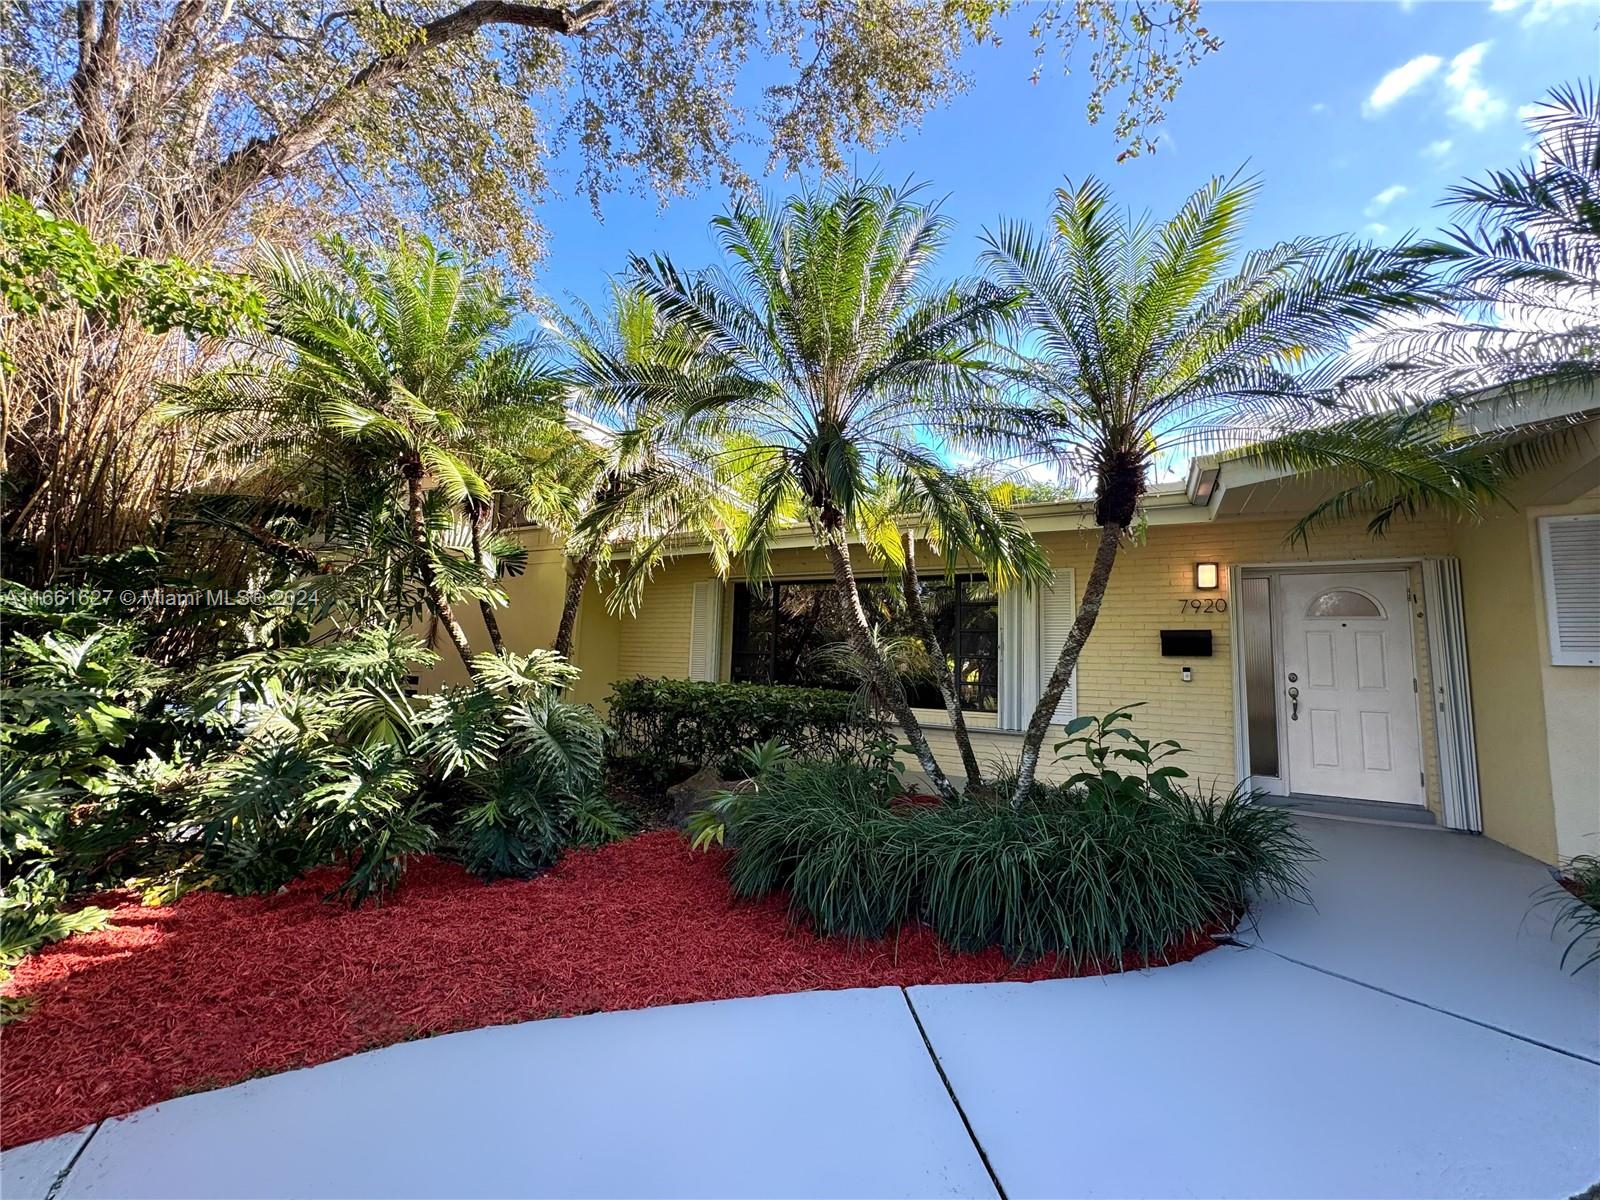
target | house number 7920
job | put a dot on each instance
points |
(1215, 605)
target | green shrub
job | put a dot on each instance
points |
(252, 769)
(34, 912)
(665, 728)
(540, 795)
(1116, 861)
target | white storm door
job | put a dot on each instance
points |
(1347, 691)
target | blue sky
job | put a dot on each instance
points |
(1356, 116)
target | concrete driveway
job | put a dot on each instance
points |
(1411, 1036)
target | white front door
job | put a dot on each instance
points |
(1348, 690)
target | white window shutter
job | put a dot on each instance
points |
(705, 629)
(1058, 607)
(1569, 548)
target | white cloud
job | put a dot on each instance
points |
(1405, 78)
(1537, 12)
(1437, 150)
(1471, 102)
(1385, 198)
(1319, 107)
(1526, 112)
(1376, 228)
(1543, 10)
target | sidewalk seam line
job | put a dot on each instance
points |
(1510, 1033)
(938, 1066)
(60, 1181)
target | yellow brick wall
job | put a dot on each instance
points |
(1122, 662)
(529, 619)
(1521, 703)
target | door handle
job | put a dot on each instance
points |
(1294, 704)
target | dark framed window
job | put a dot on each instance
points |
(786, 633)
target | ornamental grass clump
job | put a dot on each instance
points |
(826, 834)
(1576, 897)
(1060, 876)
(1113, 862)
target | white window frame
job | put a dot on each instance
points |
(1560, 657)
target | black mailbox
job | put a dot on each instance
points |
(1186, 643)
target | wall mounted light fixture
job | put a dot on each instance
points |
(1205, 576)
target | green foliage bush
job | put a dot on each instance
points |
(47, 263)
(665, 728)
(258, 767)
(1116, 861)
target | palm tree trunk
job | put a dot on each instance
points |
(949, 685)
(425, 572)
(888, 683)
(479, 515)
(1094, 593)
(577, 579)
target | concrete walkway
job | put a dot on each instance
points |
(1411, 1036)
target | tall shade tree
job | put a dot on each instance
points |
(198, 128)
(641, 473)
(1146, 341)
(839, 364)
(385, 395)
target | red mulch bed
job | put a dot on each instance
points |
(215, 989)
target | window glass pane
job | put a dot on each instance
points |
(939, 603)
(979, 646)
(791, 631)
(808, 621)
(752, 635)
(1342, 602)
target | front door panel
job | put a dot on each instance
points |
(1348, 686)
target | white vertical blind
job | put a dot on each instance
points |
(1032, 631)
(1452, 693)
(1019, 657)
(705, 628)
(1058, 606)
(1569, 548)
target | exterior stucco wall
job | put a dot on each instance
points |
(529, 620)
(1504, 649)
(1571, 716)
(1122, 660)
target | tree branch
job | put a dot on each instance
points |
(265, 158)
(99, 40)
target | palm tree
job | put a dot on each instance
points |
(838, 363)
(1520, 277)
(1146, 342)
(634, 470)
(1520, 271)
(890, 525)
(385, 389)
